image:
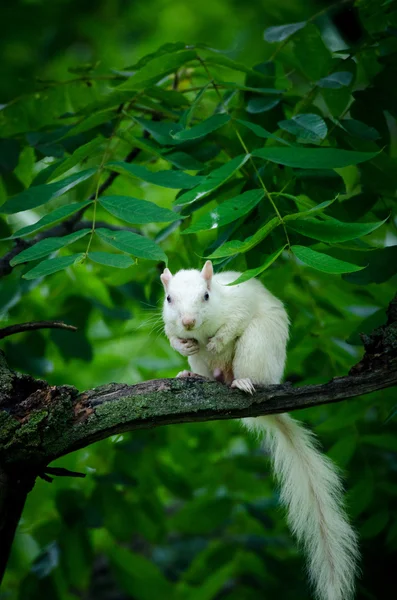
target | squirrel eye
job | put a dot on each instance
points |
(206, 296)
(168, 298)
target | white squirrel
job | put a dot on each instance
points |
(238, 334)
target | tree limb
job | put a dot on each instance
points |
(33, 325)
(39, 422)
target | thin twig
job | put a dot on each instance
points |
(33, 325)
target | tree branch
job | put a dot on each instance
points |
(33, 325)
(39, 422)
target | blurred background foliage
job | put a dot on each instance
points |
(190, 511)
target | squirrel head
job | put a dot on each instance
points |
(189, 299)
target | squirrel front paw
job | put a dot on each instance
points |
(185, 347)
(186, 374)
(215, 345)
(245, 385)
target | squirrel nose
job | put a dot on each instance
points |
(188, 322)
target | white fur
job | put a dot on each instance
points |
(242, 332)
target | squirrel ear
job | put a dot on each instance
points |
(207, 272)
(166, 277)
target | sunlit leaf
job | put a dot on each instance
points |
(40, 194)
(119, 261)
(57, 215)
(213, 181)
(46, 246)
(157, 68)
(227, 212)
(332, 230)
(237, 246)
(52, 265)
(323, 262)
(134, 210)
(202, 129)
(170, 179)
(250, 273)
(313, 158)
(132, 243)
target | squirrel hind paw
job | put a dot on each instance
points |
(186, 374)
(245, 385)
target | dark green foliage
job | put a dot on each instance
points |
(276, 158)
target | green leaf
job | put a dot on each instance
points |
(46, 246)
(213, 181)
(120, 261)
(170, 179)
(202, 129)
(227, 212)
(280, 33)
(261, 132)
(311, 53)
(261, 104)
(255, 272)
(9, 154)
(217, 58)
(374, 525)
(385, 441)
(91, 122)
(368, 325)
(360, 129)
(156, 69)
(52, 265)
(332, 230)
(313, 158)
(343, 450)
(132, 243)
(133, 210)
(380, 265)
(307, 127)
(246, 88)
(236, 246)
(138, 576)
(40, 194)
(336, 80)
(80, 154)
(52, 218)
(187, 116)
(169, 97)
(311, 211)
(161, 130)
(323, 262)
(183, 161)
(212, 585)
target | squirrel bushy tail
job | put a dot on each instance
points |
(311, 490)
